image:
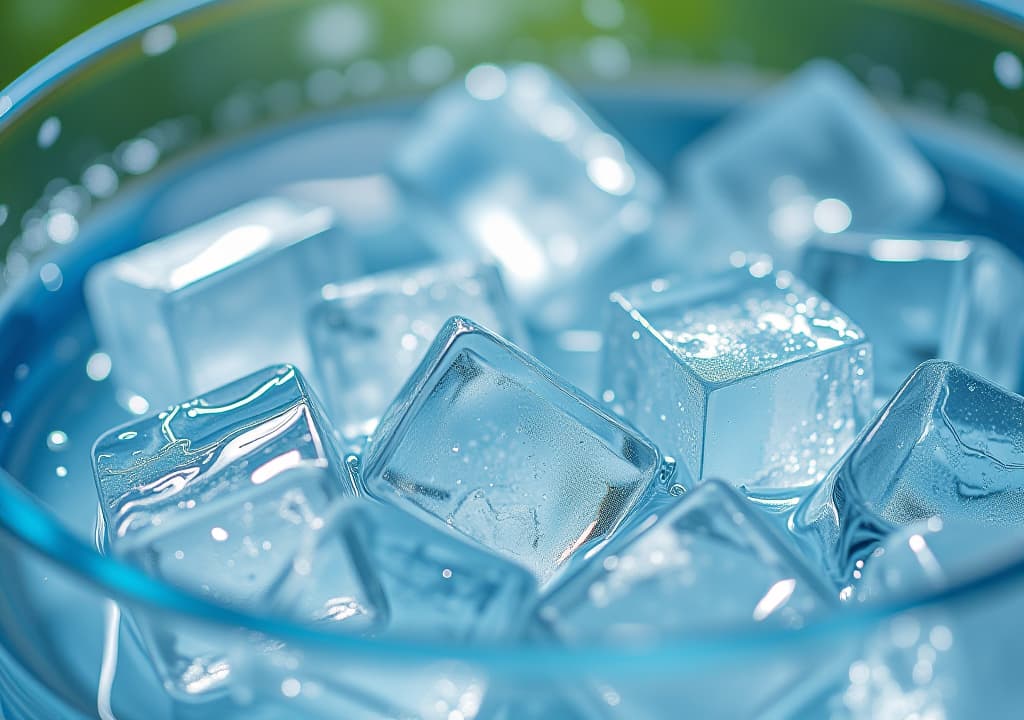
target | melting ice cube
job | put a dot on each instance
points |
(487, 441)
(213, 495)
(950, 445)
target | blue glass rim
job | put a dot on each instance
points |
(32, 527)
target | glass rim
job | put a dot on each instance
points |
(24, 519)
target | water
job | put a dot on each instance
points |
(685, 356)
(55, 381)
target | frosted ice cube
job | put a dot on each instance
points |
(923, 297)
(431, 583)
(212, 495)
(489, 442)
(949, 444)
(530, 175)
(198, 309)
(709, 563)
(745, 375)
(813, 154)
(367, 336)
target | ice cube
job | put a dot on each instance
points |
(433, 584)
(813, 154)
(198, 309)
(367, 336)
(711, 557)
(709, 563)
(492, 444)
(530, 175)
(951, 644)
(745, 375)
(344, 686)
(936, 554)
(921, 297)
(212, 495)
(949, 444)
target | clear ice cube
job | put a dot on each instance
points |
(530, 175)
(744, 375)
(368, 335)
(951, 644)
(813, 154)
(923, 297)
(488, 442)
(935, 554)
(711, 556)
(212, 495)
(949, 444)
(340, 686)
(711, 562)
(198, 309)
(433, 584)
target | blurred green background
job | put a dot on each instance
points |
(31, 29)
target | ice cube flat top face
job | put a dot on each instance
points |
(497, 447)
(814, 154)
(529, 174)
(949, 444)
(710, 562)
(159, 472)
(735, 324)
(219, 244)
(370, 334)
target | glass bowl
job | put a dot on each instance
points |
(116, 139)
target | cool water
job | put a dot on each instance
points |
(56, 398)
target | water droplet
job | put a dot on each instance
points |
(98, 366)
(57, 440)
(49, 132)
